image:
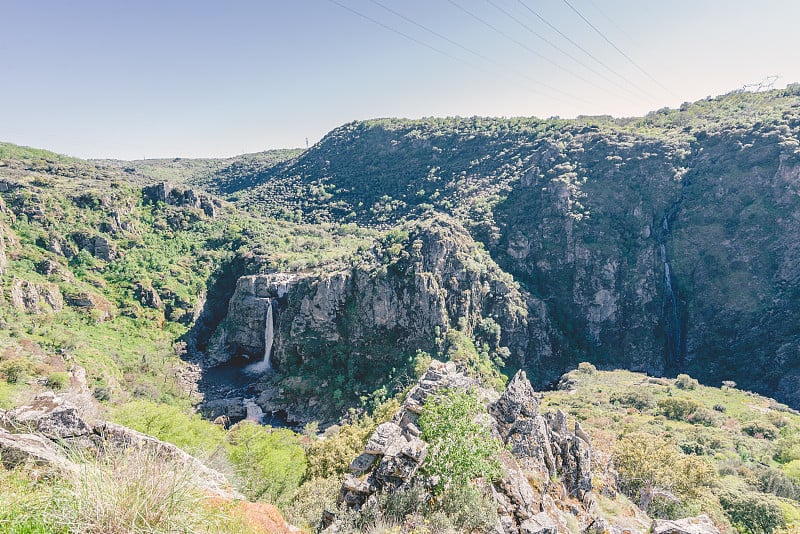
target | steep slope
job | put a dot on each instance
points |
(665, 243)
(427, 287)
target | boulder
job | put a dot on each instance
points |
(691, 525)
(34, 434)
(148, 296)
(49, 415)
(36, 297)
(31, 450)
(541, 523)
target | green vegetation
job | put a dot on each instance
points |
(736, 465)
(461, 449)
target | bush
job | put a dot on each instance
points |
(787, 448)
(641, 399)
(757, 429)
(752, 512)
(647, 463)
(678, 409)
(587, 368)
(311, 499)
(172, 424)
(469, 508)
(15, 370)
(57, 380)
(269, 461)
(686, 382)
(460, 449)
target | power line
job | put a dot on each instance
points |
(393, 30)
(558, 48)
(517, 41)
(467, 49)
(582, 49)
(413, 39)
(433, 32)
(618, 49)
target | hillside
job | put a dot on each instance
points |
(665, 245)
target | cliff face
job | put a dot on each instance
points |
(665, 264)
(380, 312)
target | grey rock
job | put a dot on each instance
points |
(36, 297)
(692, 525)
(31, 450)
(382, 438)
(49, 415)
(541, 523)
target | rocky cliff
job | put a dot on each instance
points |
(375, 315)
(665, 244)
(547, 469)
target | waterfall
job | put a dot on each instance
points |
(253, 410)
(673, 349)
(269, 336)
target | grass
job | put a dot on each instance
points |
(614, 406)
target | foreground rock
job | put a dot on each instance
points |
(693, 525)
(43, 432)
(547, 484)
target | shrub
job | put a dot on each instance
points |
(469, 508)
(269, 461)
(641, 399)
(684, 381)
(15, 369)
(587, 368)
(311, 499)
(758, 429)
(787, 448)
(172, 424)
(460, 449)
(57, 380)
(702, 416)
(647, 463)
(678, 409)
(752, 512)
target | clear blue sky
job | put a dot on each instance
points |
(134, 79)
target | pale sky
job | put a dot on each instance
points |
(197, 78)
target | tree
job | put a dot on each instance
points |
(461, 449)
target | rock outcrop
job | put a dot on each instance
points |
(536, 447)
(175, 196)
(36, 297)
(546, 485)
(98, 245)
(693, 525)
(91, 302)
(3, 258)
(36, 434)
(383, 312)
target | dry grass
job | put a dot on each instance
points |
(133, 492)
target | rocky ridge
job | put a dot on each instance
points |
(50, 430)
(548, 471)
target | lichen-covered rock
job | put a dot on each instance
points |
(538, 447)
(35, 434)
(692, 525)
(36, 297)
(48, 415)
